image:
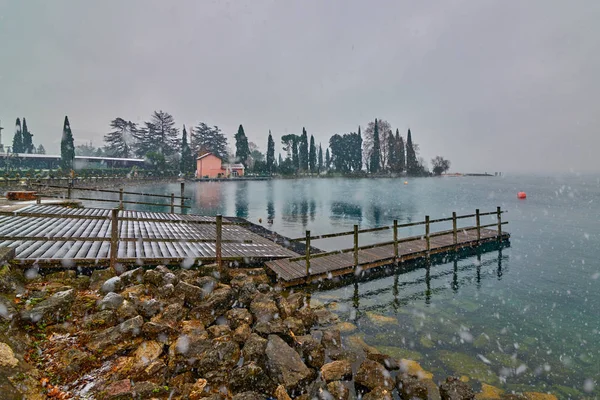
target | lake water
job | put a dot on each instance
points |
(525, 317)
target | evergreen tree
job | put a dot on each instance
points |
(117, 141)
(158, 136)
(400, 157)
(17, 146)
(279, 161)
(303, 151)
(206, 139)
(320, 165)
(412, 164)
(312, 155)
(242, 151)
(41, 149)
(327, 159)
(392, 157)
(187, 163)
(375, 154)
(67, 147)
(27, 145)
(295, 158)
(271, 154)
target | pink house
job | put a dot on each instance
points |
(210, 166)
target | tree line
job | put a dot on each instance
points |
(158, 140)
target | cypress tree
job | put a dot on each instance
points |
(312, 155)
(412, 165)
(303, 151)
(271, 154)
(320, 165)
(27, 146)
(392, 157)
(375, 153)
(242, 151)
(327, 159)
(400, 157)
(41, 149)
(295, 158)
(187, 162)
(279, 160)
(17, 146)
(67, 147)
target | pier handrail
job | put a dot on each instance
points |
(383, 228)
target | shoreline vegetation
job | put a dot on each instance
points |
(193, 334)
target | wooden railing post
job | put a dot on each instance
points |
(307, 254)
(69, 185)
(499, 217)
(427, 241)
(182, 190)
(172, 203)
(395, 240)
(121, 198)
(218, 243)
(478, 221)
(38, 199)
(114, 239)
(355, 246)
(454, 230)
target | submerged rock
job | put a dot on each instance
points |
(455, 389)
(412, 387)
(338, 390)
(371, 375)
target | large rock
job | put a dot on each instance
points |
(371, 375)
(117, 338)
(379, 393)
(146, 353)
(311, 351)
(192, 294)
(53, 309)
(7, 309)
(336, 371)
(285, 365)
(114, 284)
(120, 389)
(112, 301)
(222, 355)
(455, 389)
(412, 387)
(242, 333)
(99, 276)
(264, 308)
(338, 390)
(217, 304)
(149, 308)
(254, 348)
(250, 377)
(133, 277)
(389, 362)
(238, 316)
(7, 356)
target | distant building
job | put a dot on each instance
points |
(210, 166)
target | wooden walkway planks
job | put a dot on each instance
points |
(292, 272)
(51, 234)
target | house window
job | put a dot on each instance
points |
(234, 173)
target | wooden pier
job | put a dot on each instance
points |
(60, 236)
(308, 268)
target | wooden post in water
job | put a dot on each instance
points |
(307, 254)
(182, 190)
(499, 217)
(355, 247)
(427, 241)
(218, 243)
(478, 221)
(454, 230)
(114, 238)
(121, 198)
(172, 203)
(395, 241)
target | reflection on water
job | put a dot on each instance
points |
(345, 210)
(241, 200)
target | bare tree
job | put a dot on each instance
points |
(440, 165)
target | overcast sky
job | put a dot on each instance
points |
(491, 85)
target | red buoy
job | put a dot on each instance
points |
(522, 195)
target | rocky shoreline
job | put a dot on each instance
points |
(184, 334)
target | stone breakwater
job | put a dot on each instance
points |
(182, 334)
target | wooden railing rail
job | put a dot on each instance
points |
(114, 191)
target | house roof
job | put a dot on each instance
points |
(206, 155)
(236, 166)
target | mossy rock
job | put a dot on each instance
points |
(489, 392)
(566, 392)
(503, 359)
(481, 341)
(399, 352)
(381, 320)
(464, 364)
(426, 342)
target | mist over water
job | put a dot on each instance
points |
(522, 317)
